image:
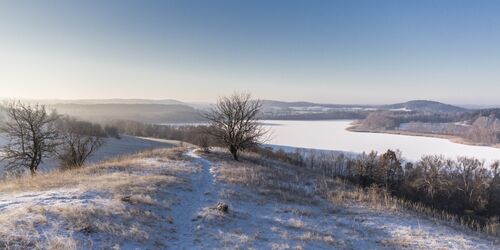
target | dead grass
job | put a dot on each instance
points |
(303, 185)
(127, 199)
(271, 178)
(60, 243)
(107, 174)
(316, 236)
(340, 193)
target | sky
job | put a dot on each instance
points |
(351, 51)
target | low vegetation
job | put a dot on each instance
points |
(161, 199)
(463, 188)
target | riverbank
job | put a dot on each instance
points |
(451, 138)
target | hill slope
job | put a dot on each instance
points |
(428, 106)
(167, 199)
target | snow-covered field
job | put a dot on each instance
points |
(112, 148)
(166, 200)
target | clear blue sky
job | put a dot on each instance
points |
(325, 51)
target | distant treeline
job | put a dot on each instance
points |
(477, 127)
(188, 133)
(333, 115)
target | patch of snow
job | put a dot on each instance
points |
(401, 109)
(44, 198)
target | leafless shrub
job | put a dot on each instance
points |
(204, 143)
(79, 140)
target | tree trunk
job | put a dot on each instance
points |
(234, 152)
(33, 171)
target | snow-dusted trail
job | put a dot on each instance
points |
(201, 194)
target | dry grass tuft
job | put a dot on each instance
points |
(315, 236)
(271, 178)
(114, 170)
(60, 243)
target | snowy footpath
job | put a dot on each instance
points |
(199, 195)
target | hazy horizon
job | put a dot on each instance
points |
(55, 100)
(346, 52)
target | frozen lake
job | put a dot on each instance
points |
(332, 135)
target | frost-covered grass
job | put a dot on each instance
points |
(117, 203)
(166, 199)
(278, 206)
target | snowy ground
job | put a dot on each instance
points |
(166, 200)
(111, 148)
(257, 220)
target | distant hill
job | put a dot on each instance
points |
(153, 113)
(426, 106)
(316, 111)
(120, 101)
(110, 101)
(279, 110)
(174, 111)
(282, 104)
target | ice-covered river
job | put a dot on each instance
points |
(332, 135)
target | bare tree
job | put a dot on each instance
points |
(432, 179)
(471, 181)
(32, 136)
(79, 140)
(392, 171)
(494, 188)
(365, 167)
(233, 121)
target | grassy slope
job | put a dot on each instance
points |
(165, 199)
